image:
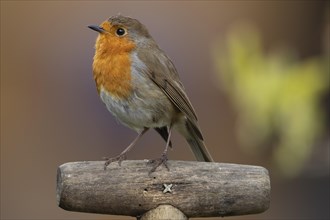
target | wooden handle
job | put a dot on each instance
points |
(163, 212)
(198, 189)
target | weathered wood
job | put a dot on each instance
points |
(164, 212)
(199, 189)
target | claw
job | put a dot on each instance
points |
(159, 161)
(118, 158)
(122, 156)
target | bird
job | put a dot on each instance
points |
(140, 86)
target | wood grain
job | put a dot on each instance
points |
(199, 189)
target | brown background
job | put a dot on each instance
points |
(51, 114)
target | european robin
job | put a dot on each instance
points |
(140, 86)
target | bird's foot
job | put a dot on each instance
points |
(157, 162)
(120, 158)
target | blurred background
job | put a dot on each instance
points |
(257, 73)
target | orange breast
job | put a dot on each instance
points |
(112, 65)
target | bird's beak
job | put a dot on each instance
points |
(96, 28)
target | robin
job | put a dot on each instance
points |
(140, 86)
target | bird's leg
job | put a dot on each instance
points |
(122, 155)
(163, 159)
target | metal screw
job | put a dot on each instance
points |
(167, 188)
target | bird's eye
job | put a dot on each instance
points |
(120, 32)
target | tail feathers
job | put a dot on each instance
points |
(199, 150)
(196, 143)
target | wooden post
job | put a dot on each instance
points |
(164, 212)
(189, 189)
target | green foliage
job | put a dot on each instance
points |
(276, 97)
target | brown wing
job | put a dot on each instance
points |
(162, 72)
